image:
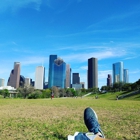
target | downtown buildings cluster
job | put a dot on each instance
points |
(60, 75)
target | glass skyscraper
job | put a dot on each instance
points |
(50, 76)
(57, 72)
(126, 76)
(118, 72)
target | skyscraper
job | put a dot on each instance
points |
(92, 72)
(117, 72)
(2, 82)
(126, 76)
(68, 76)
(27, 81)
(83, 84)
(75, 78)
(14, 78)
(50, 76)
(109, 80)
(59, 73)
(39, 77)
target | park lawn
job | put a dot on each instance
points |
(46, 119)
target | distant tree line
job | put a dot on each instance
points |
(122, 87)
(28, 92)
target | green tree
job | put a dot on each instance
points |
(25, 91)
(5, 93)
(68, 92)
(35, 94)
(46, 93)
(62, 92)
(55, 91)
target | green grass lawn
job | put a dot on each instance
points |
(40, 119)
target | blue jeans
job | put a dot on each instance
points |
(81, 136)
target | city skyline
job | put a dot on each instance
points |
(77, 30)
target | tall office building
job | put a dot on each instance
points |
(126, 76)
(22, 81)
(39, 77)
(2, 82)
(59, 73)
(50, 75)
(14, 78)
(117, 72)
(92, 72)
(109, 80)
(27, 81)
(75, 78)
(68, 76)
(83, 84)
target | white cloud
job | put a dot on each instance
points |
(128, 58)
(135, 71)
(82, 57)
(16, 4)
(103, 74)
(84, 67)
(34, 60)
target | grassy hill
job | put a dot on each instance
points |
(112, 96)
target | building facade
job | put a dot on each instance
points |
(118, 72)
(77, 86)
(59, 73)
(50, 75)
(92, 73)
(83, 84)
(2, 82)
(75, 78)
(14, 78)
(39, 77)
(109, 80)
(27, 81)
(126, 76)
(68, 76)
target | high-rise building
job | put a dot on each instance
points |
(27, 81)
(109, 80)
(126, 76)
(14, 78)
(50, 75)
(2, 82)
(39, 77)
(22, 81)
(68, 76)
(59, 73)
(117, 72)
(92, 73)
(83, 84)
(75, 78)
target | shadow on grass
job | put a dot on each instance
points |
(137, 97)
(59, 136)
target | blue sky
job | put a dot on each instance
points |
(75, 30)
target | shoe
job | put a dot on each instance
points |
(91, 122)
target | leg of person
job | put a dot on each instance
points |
(81, 136)
(91, 122)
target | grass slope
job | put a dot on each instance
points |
(112, 96)
(45, 119)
